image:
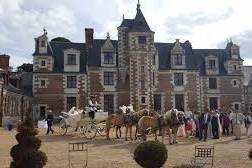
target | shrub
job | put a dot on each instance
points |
(26, 154)
(250, 154)
(151, 154)
(187, 166)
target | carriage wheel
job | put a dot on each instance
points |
(62, 127)
(102, 129)
(90, 131)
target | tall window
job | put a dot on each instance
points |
(211, 64)
(234, 67)
(43, 63)
(43, 43)
(142, 82)
(143, 100)
(42, 83)
(153, 78)
(212, 83)
(154, 59)
(236, 106)
(179, 102)
(108, 57)
(178, 79)
(157, 102)
(213, 103)
(234, 83)
(71, 81)
(109, 103)
(178, 59)
(142, 40)
(71, 102)
(108, 78)
(71, 59)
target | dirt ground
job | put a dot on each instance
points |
(117, 153)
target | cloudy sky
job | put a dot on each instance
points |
(206, 23)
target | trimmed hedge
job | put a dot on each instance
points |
(250, 154)
(151, 154)
(26, 153)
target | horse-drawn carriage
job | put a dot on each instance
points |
(79, 120)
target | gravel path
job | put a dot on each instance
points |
(118, 153)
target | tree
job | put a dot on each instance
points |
(26, 153)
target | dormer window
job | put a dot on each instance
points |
(211, 64)
(234, 67)
(43, 43)
(71, 59)
(108, 58)
(142, 40)
(178, 59)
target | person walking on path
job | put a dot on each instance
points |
(248, 121)
(225, 124)
(49, 121)
(215, 125)
(204, 120)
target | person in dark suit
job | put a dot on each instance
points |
(215, 125)
(49, 120)
(204, 120)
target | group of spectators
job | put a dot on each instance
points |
(215, 123)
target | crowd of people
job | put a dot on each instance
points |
(215, 123)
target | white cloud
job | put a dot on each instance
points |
(207, 23)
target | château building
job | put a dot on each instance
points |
(137, 70)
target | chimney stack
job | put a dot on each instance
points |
(89, 35)
(4, 62)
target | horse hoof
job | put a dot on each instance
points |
(126, 139)
(170, 143)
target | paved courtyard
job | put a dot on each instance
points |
(118, 153)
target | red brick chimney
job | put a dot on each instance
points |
(4, 62)
(89, 35)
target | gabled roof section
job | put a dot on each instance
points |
(195, 58)
(94, 54)
(49, 49)
(201, 54)
(58, 54)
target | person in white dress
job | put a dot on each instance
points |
(248, 121)
(237, 120)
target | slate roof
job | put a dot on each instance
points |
(195, 58)
(12, 88)
(138, 24)
(58, 55)
(94, 54)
